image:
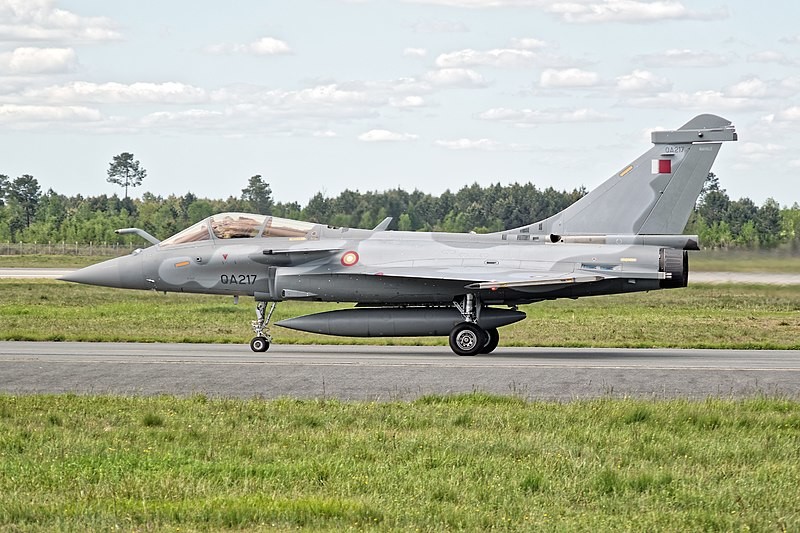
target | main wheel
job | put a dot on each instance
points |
(259, 344)
(467, 339)
(494, 340)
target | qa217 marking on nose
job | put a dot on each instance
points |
(238, 279)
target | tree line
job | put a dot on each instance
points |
(29, 215)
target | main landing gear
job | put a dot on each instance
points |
(262, 340)
(468, 338)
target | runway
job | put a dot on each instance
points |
(392, 373)
(34, 273)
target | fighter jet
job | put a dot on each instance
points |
(624, 236)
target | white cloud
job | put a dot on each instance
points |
(526, 117)
(236, 108)
(407, 102)
(642, 81)
(415, 52)
(31, 114)
(321, 100)
(755, 87)
(749, 88)
(482, 145)
(385, 136)
(682, 58)
(440, 26)
(523, 53)
(630, 11)
(595, 11)
(771, 56)
(197, 117)
(527, 43)
(757, 152)
(790, 84)
(478, 4)
(567, 78)
(40, 20)
(469, 144)
(242, 107)
(327, 134)
(116, 93)
(699, 100)
(792, 39)
(790, 114)
(502, 57)
(28, 60)
(266, 46)
(455, 77)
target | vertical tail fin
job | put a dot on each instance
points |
(655, 194)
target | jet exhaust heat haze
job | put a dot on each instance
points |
(624, 236)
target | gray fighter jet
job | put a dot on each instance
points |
(624, 236)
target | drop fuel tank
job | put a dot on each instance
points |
(396, 321)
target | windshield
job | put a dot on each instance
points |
(196, 233)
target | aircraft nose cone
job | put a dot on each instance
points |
(121, 272)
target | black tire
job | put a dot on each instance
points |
(259, 344)
(467, 339)
(492, 342)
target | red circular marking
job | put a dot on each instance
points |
(349, 258)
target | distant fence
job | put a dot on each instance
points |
(65, 248)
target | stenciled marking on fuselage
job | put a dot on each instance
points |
(238, 279)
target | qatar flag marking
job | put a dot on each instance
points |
(661, 166)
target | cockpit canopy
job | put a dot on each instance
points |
(240, 226)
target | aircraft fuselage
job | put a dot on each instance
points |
(383, 268)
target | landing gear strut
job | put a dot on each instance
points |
(262, 340)
(468, 338)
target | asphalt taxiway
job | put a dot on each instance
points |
(392, 373)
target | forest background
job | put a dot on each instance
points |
(28, 215)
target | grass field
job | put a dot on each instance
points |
(474, 462)
(718, 316)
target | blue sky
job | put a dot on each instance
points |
(375, 94)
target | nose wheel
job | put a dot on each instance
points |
(262, 340)
(259, 344)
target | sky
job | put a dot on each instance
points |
(371, 95)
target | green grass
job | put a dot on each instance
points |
(471, 462)
(711, 316)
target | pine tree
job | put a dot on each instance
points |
(125, 172)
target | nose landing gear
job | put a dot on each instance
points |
(262, 340)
